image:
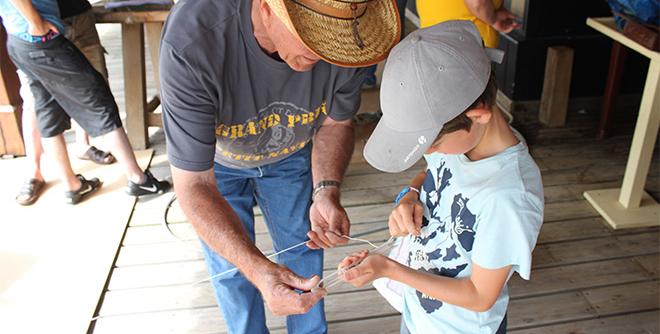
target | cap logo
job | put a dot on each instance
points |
(421, 140)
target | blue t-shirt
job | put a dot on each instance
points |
(18, 26)
(487, 212)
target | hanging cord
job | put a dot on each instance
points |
(166, 224)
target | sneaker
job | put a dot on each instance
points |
(150, 186)
(87, 187)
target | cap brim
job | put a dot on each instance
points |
(332, 39)
(394, 151)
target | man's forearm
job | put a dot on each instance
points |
(217, 224)
(28, 11)
(482, 9)
(333, 147)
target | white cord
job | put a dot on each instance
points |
(235, 269)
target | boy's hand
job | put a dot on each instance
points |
(406, 218)
(367, 268)
(505, 21)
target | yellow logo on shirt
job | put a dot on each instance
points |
(257, 126)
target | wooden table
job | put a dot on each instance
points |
(630, 206)
(139, 111)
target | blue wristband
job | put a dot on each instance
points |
(403, 192)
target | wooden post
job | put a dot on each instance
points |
(556, 86)
(135, 88)
(11, 139)
(641, 149)
(154, 30)
(617, 63)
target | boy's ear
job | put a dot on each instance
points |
(479, 115)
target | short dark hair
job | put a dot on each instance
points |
(462, 121)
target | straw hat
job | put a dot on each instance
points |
(352, 33)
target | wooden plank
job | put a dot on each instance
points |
(134, 84)
(570, 306)
(167, 252)
(646, 132)
(576, 277)
(644, 322)
(338, 308)
(556, 86)
(651, 264)
(104, 15)
(568, 210)
(154, 31)
(602, 248)
(549, 309)
(614, 73)
(150, 234)
(574, 229)
(11, 138)
(607, 26)
(624, 298)
(380, 325)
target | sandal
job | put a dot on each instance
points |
(87, 187)
(98, 156)
(30, 191)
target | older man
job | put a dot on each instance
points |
(246, 86)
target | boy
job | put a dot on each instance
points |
(474, 214)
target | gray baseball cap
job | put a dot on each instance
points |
(430, 77)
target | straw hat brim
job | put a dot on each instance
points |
(333, 40)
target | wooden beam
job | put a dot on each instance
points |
(11, 139)
(104, 15)
(556, 86)
(154, 30)
(135, 88)
(617, 64)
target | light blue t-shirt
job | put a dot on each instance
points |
(487, 212)
(18, 26)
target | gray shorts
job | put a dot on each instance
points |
(64, 86)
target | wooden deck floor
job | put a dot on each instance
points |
(586, 278)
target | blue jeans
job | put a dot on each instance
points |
(283, 192)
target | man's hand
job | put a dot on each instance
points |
(329, 220)
(277, 286)
(505, 21)
(41, 27)
(365, 268)
(406, 218)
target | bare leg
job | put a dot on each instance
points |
(117, 142)
(82, 139)
(33, 148)
(56, 148)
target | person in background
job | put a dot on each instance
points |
(66, 86)
(488, 15)
(370, 79)
(80, 29)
